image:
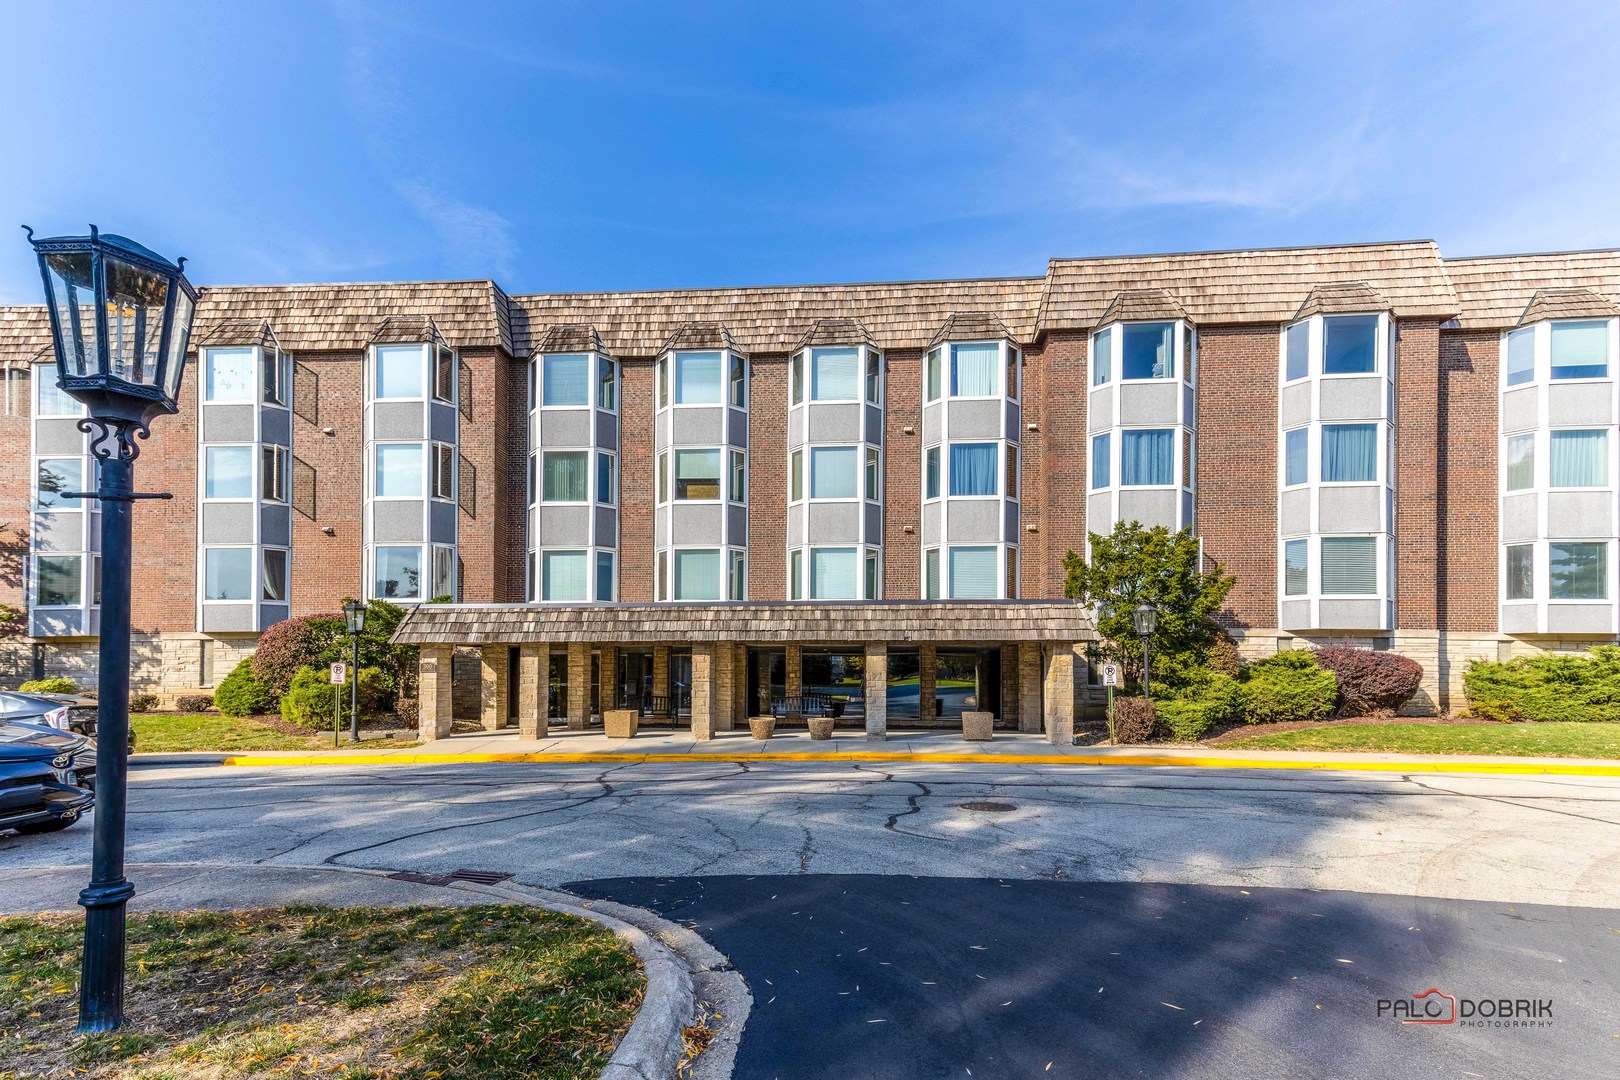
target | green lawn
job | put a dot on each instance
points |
(493, 992)
(1518, 740)
(175, 733)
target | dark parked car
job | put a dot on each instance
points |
(39, 781)
(40, 730)
(60, 711)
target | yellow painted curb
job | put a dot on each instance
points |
(1495, 768)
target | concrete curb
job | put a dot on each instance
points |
(1486, 766)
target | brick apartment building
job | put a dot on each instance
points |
(727, 492)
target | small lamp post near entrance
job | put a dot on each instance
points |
(1145, 618)
(354, 618)
(120, 323)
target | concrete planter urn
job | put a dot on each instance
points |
(821, 727)
(762, 727)
(977, 726)
(620, 723)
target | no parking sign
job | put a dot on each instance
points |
(1110, 674)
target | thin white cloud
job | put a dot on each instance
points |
(471, 236)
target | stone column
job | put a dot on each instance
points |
(610, 678)
(433, 686)
(1007, 678)
(877, 693)
(1060, 696)
(703, 671)
(793, 680)
(725, 676)
(1029, 687)
(740, 704)
(579, 686)
(534, 673)
(928, 669)
(762, 667)
(660, 673)
(492, 699)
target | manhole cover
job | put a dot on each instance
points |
(988, 807)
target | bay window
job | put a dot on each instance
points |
(1147, 458)
(739, 476)
(874, 377)
(931, 469)
(1297, 347)
(444, 471)
(973, 469)
(444, 374)
(53, 400)
(697, 378)
(444, 572)
(1102, 356)
(737, 579)
(273, 575)
(796, 476)
(931, 379)
(874, 473)
(606, 489)
(1349, 453)
(1521, 355)
(604, 576)
(277, 377)
(273, 473)
(931, 574)
(739, 382)
(607, 384)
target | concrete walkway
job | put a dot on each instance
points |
(1006, 748)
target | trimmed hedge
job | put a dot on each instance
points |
(240, 694)
(194, 703)
(1369, 681)
(1133, 719)
(311, 701)
(1290, 687)
(143, 703)
(60, 684)
(1549, 688)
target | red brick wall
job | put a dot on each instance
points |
(767, 478)
(1418, 445)
(164, 575)
(636, 495)
(327, 569)
(15, 483)
(1237, 465)
(1056, 380)
(1466, 528)
(902, 475)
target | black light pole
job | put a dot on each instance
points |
(354, 617)
(1145, 618)
(120, 323)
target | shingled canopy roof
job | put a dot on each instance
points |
(1496, 291)
(961, 622)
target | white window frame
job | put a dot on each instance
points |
(1381, 462)
(592, 386)
(859, 478)
(254, 586)
(286, 554)
(1176, 480)
(590, 476)
(860, 375)
(255, 395)
(424, 371)
(948, 371)
(611, 459)
(425, 464)
(424, 558)
(434, 448)
(34, 577)
(723, 475)
(585, 553)
(945, 469)
(252, 449)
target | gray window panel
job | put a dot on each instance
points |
(227, 523)
(397, 420)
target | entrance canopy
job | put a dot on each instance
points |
(894, 621)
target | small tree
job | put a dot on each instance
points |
(1134, 565)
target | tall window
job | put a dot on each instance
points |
(835, 375)
(57, 477)
(697, 574)
(834, 574)
(833, 472)
(872, 575)
(931, 574)
(444, 374)
(1102, 357)
(228, 472)
(399, 470)
(273, 473)
(874, 473)
(1349, 566)
(1147, 458)
(605, 487)
(796, 575)
(1580, 350)
(697, 378)
(737, 576)
(1521, 355)
(565, 380)
(273, 575)
(931, 468)
(1349, 344)
(1296, 556)
(1012, 381)
(444, 572)
(697, 474)
(228, 376)
(1100, 447)
(874, 377)
(663, 477)
(444, 471)
(604, 576)
(1521, 462)
(1349, 453)
(796, 475)
(607, 384)
(739, 382)
(739, 476)
(663, 381)
(1297, 346)
(974, 369)
(563, 576)
(931, 379)
(1521, 572)
(796, 378)
(563, 476)
(973, 469)
(1149, 351)
(1579, 459)
(1578, 571)
(397, 372)
(973, 573)
(277, 377)
(1296, 448)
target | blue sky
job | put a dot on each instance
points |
(566, 146)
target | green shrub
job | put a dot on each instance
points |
(240, 694)
(1224, 658)
(293, 644)
(194, 703)
(374, 695)
(311, 701)
(143, 703)
(60, 684)
(1133, 719)
(1550, 687)
(1218, 699)
(1289, 687)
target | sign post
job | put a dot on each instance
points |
(337, 676)
(1110, 679)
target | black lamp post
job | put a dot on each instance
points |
(354, 617)
(1145, 618)
(120, 322)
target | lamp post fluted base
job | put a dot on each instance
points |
(101, 975)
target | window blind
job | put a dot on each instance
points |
(973, 573)
(1349, 566)
(834, 374)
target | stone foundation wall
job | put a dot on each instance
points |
(164, 664)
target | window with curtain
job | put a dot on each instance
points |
(228, 573)
(796, 475)
(605, 487)
(1147, 458)
(1297, 350)
(974, 369)
(53, 400)
(1349, 344)
(604, 576)
(931, 469)
(833, 472)
(1521, 462)
(228, 375)
(1296, 453)
(874, 474)
(737, 587)
(697, 574)
(1577, 571)
(607, 384)
(973, 573)
(1349, 453)
(1147, 350)
(1100, 463)
(1349, 566)
(1296, 567)
(1580, 350)
(874, 377)
(1521, 355)
(697, 474)
(697, 378)
(273, 575)
(1102, 357)
(1579, 459)
(398, 572)
(563, 476)
(973, 469)
(399, 470)
(931, 380)
(931, 574)
(739, 381)
(56, 477)
(834, 574)
(739, 476)
(835, 374)
(228, 471)
(563, 575)
(58, 580)
(1521, 572)
(398, 372)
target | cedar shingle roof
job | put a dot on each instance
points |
(701, 335)
(345, 317)
(1497, 291)
(1249, 286)
(1141, 304)
(25, 332)
(970, 326)
(837, 332)
(971, 621)
(237, 332)
(570, 338)
(1567, 304)
(1340, 298)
